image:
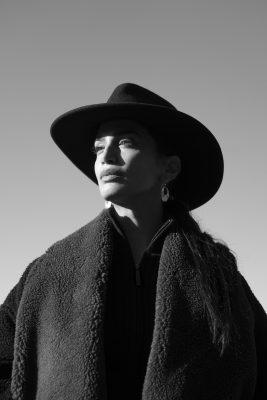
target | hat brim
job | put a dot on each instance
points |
(201, 157)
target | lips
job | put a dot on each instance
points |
(111, 173)
(112, 178)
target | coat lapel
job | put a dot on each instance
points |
(177, 304)
(59, 349)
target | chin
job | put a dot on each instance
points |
(111, 189)
(116, 197)
(111, 195)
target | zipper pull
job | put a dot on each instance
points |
(138, 276)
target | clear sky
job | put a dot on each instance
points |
(207, 57)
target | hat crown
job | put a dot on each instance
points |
(132, 93)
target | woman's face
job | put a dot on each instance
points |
(127, 151)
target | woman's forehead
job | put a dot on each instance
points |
(120, 127)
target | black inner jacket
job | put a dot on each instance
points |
(130, 311)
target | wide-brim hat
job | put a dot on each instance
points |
(200, 153)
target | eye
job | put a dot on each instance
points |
(126, 141)
(96, 148)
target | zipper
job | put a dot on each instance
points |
(138, 280)
(138, 275)
(165, 225)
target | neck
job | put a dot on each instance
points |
(140, 220)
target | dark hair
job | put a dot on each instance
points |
(215, 265)
(214, 262)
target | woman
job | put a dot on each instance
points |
(139, 303)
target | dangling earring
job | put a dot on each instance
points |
(107, 204)
(165, 194)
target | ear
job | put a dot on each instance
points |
(172, 168)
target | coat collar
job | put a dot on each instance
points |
(155, 244)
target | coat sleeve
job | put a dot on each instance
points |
(260, 317)
(8, 312)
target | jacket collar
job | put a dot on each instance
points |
(155, 244)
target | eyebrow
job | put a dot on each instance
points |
(120, 133)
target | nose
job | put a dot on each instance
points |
(109, 155)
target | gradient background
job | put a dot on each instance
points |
(207, 57)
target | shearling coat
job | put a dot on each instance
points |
(51, 328)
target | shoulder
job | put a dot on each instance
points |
(220, 260)
(217, 251)
(227, 265)
(85, 236)
(13, 298)
(66, 252)
(57, 259)
(251, 297)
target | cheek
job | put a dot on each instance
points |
(143, 170)
(96, 168)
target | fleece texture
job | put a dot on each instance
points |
(51, 328)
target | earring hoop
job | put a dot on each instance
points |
(165, 193)
(107, 204)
